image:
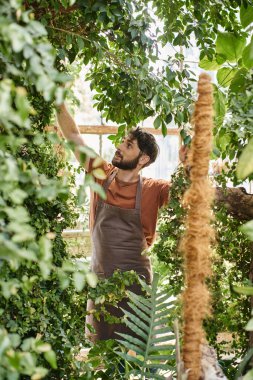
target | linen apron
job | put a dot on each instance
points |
(118, 243)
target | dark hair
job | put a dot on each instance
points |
(146, 143)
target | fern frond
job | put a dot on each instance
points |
(143, 306)
(146, 287)
(147, 375)
(153, 340)
(159, 340)
(168, 305)
(164, 330)
(159, 357)
(133, 340)
(131, 346)
(136, 320)
(163, 313)
(167, 347)
(129, 358)
(144, 316)
(166, 367)
(162, 321)
(162, 298)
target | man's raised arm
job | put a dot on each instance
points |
(71, 132)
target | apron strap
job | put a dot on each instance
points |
(110, 179)
(138, 191)
(138, 194)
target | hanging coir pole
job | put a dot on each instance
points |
(196, 242)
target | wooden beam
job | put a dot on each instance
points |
(73, 234)
(111, 129)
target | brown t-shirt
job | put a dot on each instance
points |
(155, 193)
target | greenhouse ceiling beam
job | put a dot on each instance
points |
(111, 129)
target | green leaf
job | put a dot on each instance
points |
(160, 365)
(156, 100)
(206, 64)
(225, 76)
(230, 45)
(86, 150)
(42, 347)
(68, 266)
(164, 347)
(247, 228)
(129, 358)
(79, 280)
(18, 36)
(157, 122)
(9, 288)
(243, 363)
(36, 28)
(245, 164)
(246, 15)
(39, 373)
(168, 305)
(97, 162)
(143, 315)
(160, 339)
(91, 279)
(18, 213)
(180, 117)
(154, 376)
(219, 105)
(131, 345)
(28, 255)
(15, 340)
(51, 358)
(249, 326)
(164, 129)
(17, 196)
(247, 55)
(249, 375)
(220, 58)
(136, 324)
(133, 340)
(162, 298)
(246, 290)
(99, 173)
(22, 232)
(97, 189)
(187, 140)
(140, 305)
(179, 100)
(239, 80)
(45, 245)
(133, 297)
(80, 43)
(168, 118)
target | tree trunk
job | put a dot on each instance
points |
(237, 201)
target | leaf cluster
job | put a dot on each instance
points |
(42, 309)
(231, 265)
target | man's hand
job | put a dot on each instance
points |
(71, 132)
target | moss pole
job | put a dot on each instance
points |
(196, 242)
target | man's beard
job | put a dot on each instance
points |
(127, 165)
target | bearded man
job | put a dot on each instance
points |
(124, 225)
